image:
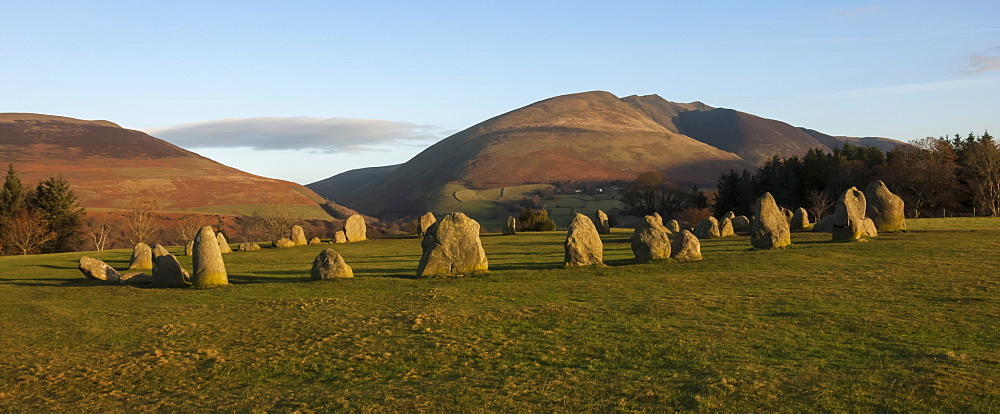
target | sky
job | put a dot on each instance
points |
(303, 90)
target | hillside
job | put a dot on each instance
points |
(591, 136)
(109, 166)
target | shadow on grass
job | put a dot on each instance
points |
(48, 266)
(292, 277)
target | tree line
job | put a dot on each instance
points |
(934, 176)
(45, 219)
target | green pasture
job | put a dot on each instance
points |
(489, 207)
(907, 322)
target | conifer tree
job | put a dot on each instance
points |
(13, 197)
(55, 202)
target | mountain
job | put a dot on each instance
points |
(109, 166)
(590, 136)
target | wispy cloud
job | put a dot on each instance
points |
(297, 133)
(979, 63)
(921, 87)
(861, 11)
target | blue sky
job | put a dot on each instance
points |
(316, 88)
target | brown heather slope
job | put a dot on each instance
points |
(591, 136)
(108, 166)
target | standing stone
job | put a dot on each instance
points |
(330, 265)
(660, 219)
(223, 243)
(248, 247)
(189, 248)
(741, 223)
(142, 257)
(510, 226)
(167, 272)
(650, 240)
(451, 247)
(726, 227)
(354, 228)
(425, 221)
(770, 226)
(299, 236)
(707, 229)
(729, 215)
(583, 243)
(849, 216)
(602, 224)
(824, 225)
(884, 207)
(283, 243)
(96, 269)
(209, 269)
(788, 214)
(673, 226)
(868, 228)
(136, 278)
(800, 219)
(339, 237)
(685, 247)
(158, 250)
(314, 241)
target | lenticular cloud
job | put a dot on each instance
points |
(296, 133)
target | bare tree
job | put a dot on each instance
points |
(143, 222)
(99, 230)
(819, 203)
(983, 167)
(278, 219)
(188, 226)
(25, 232)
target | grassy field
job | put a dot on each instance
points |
(906, 322)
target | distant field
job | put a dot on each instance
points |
(303, 211)
(904, 323)
(489, 206)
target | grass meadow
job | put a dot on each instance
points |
(906, 322)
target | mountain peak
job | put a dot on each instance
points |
(16, 117)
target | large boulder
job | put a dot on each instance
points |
(424, 222)
(788, 214)
(824, 225)
(583, 244)
(142, 257)
(726, 227)
(849, 216)
(741, 223)
(685, 247)
(601, 222)
(209, 269)
(339, 237)
(707, 229)
(800, 219)
(729, 215)
(884, 207)
(299, 236)
(223, 243)
(96, 269)
(314, 241)
(330, 265)
(136, 278)
(189, 248)
(510, 226)
(659, 218)
(354, 228)
(451, 247)
(650, 240)
(673, 225)
(158, 250)
(868, 228)
(248, 247)
(770, 225)
(283, 243)
(167, 272)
